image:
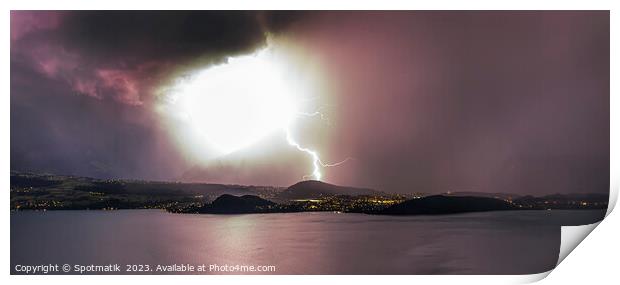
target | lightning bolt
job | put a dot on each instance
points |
(317, 163)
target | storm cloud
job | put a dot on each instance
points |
(121, 54)
(423, 101)
(115, 59)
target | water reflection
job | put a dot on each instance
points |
(300, 243)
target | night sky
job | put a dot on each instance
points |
(514, 102)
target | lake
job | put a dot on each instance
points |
(510, 242)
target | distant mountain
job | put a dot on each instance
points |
(229, 204)
(439, 204)
(311, 189)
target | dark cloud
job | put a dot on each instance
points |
(138, 36)
(157, 35)
(123, 54)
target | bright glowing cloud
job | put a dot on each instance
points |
(231, 106)
(235, 104)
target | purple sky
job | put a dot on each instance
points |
(423, 101)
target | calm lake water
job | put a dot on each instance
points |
(514, 242)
